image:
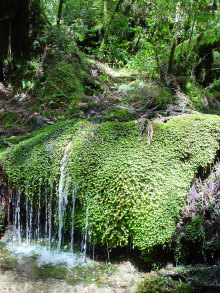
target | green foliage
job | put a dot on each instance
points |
(132, 191)
(8, 119)
(144, 61)
(24, 77)
(214, 89)
(162, 284)
(199, 96)
(116, 47)
(51, 93)
(150, 94)
(122, 115)
(195, 231)
(196, 95)
(56, 93)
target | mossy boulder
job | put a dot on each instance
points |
(65, 83)
(128, 190)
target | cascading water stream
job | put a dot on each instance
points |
(30, 222)
(15, 219)
(73, 214)
(38, 213)
(50, 213)
(86, 233)
(37, 217)
(19, 217)
(63, 192)
(27, 216)
(46, 213)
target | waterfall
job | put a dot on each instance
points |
(9, 204)
(86, 233)
(73, 214)
(19, 217)
(63, 191)
(26, 210)
(38, 212)
(14, 210)
(30, 223)
(46, 212)
(93, 251)
(50, 213)
(34, 215)
(15, 219)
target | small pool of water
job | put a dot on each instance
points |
(44, 255)
(34, 268)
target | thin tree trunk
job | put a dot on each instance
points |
(60, 12)
(9, 40)
(162, 75)
(105, 10)
(111, 19)
(192, 30)
(171, 57)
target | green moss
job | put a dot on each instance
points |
(195, 230)
(64, 83)
(53, 93)
(121, 115)
(195, 94)
(152, 95)
(214, 89)
(161, 284)
(132, 191)
(8, 119)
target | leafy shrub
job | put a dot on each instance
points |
(195, 94)
(195, 231)
(162, 284)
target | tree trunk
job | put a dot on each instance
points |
(172, 51)
(111, 19)
(60, 12)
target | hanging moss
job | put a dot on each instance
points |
(132, 191)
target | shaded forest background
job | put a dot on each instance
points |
(174, 44)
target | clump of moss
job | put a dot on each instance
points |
(196, 95)
(8, 119)
(214, 89)
(64, 83)
(204, 99)
(128, 190)
(122, 115)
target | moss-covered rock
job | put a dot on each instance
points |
(130, 191)
(65, 82)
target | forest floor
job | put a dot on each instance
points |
(126, 95)
(19, 116)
